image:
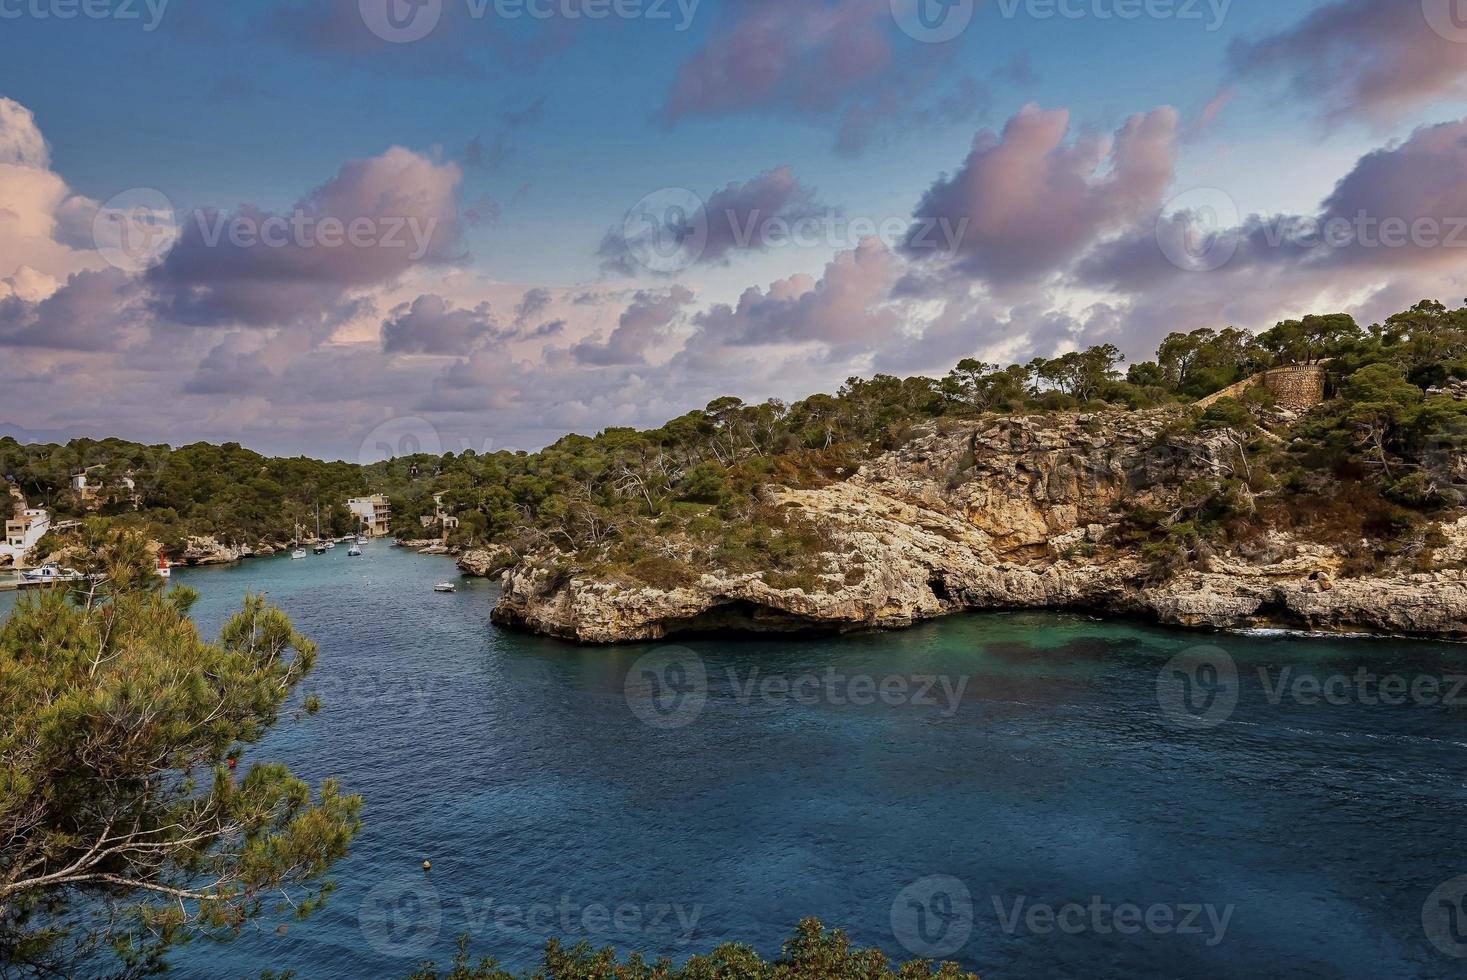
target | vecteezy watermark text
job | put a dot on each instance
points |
(150, 12)
(135, 229)
(1202, 230)
(860, 690)
(934, 917)
(300, 229)
(680, 12)
(672, 229)
(1364, 687)
(1211, 12)
(1103, 918)
(406, 21)
(833, 230)
(404, 916)
(938, 21)
(1200, 688)
(669, 687)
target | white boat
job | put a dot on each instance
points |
(355, 551)
(50, 573)
(298, 554)
(445, 587)
(330, 545)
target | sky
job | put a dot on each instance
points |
(354, 228)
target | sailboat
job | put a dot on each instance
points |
(320, 548)
(356, 547)
(299, 552)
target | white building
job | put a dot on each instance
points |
(374, 513)
(24, 533)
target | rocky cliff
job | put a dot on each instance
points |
(1005, 513)
(210, 551)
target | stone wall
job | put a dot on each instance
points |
(1298, 387)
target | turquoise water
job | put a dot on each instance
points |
(1308, 837)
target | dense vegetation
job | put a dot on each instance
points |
(228, 492)
(124, 825)
(1385, 447)
(813, 954)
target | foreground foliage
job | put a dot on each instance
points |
(812, 954)
(123, 825)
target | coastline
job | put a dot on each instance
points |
(1010, 513)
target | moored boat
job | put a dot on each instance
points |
(50, 573)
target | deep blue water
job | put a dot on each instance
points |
(1317, 832)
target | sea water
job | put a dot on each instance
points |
(1032, 795)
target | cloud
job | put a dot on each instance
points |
(1401, 209)
(93, 311)
(1059, 251)
(899, 109)
(1026, 203)
(1421, 184)
(430, 326)
(461, 39)
(820, 59)
(369, 224)
(1362, 58)
(644, 325)
(21, 142)
(1203, 123)
(43, 225)
(735, 217)
(777, 53)
(535, 301)
(235, 367)
(845, 306)
(498, 150)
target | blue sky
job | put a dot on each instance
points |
(218, 110)
(549, 131)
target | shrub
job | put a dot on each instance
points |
(664, 572)
(813, 954)
(1226, 413)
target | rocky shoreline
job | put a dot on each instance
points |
(1015, 513)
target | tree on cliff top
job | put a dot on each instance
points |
(813, 954)
(123, 826)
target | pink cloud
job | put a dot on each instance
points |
(845, 306)
(644, 324)
(734, 216)
(224, 269)
(1026, 203)
(806, 53)
(1368, 58)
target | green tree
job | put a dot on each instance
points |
(813, 954)
(123, 826)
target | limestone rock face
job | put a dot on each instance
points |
(901, 563)
(1417, 604)
(483, 562)
(1006, 513)
(209, 551)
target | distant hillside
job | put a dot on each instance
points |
(227, 493)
